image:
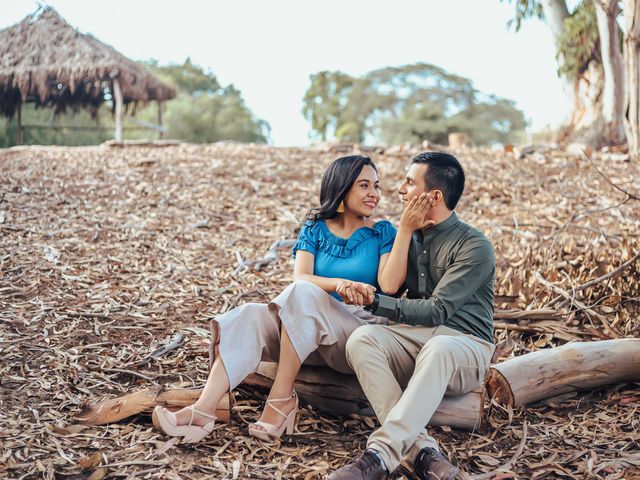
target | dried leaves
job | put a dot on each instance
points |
(106, 254)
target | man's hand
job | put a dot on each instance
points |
(355, 293)
(415, 213)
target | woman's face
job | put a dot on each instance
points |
(364, 195)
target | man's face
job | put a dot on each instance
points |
(413, 184)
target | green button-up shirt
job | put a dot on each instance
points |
(450, 273)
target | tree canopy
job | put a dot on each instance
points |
(204, 110)
(410, 103)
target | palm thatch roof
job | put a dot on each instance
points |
(45, 60)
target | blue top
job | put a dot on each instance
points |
(355, 258)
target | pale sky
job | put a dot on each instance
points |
(268, 49)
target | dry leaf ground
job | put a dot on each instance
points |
(105, 253)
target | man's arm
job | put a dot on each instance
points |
(474, 262)
(393, 267)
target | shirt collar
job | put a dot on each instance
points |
(440, 227)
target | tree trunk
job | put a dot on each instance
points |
(632, 72)
(555, 11)
(613, 91)
(584, 91)
(556, 371)
(339, 394)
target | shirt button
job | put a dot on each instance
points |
(422, 274)
(424, 251)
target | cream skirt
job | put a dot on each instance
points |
(317, 323)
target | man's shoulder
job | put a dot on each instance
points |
(473, 236)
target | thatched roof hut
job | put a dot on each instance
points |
(45, 60)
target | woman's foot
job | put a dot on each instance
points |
(286, 406)
(183, 416)
(191, 432)
(279, 414)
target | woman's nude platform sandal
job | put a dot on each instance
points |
(165, 421)
(269, 432)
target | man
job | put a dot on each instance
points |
(442, 341)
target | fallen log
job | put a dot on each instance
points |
(320, 387)
(116, 409)
(330, 391)
(569, 368)
(535, 376)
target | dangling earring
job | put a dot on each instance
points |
(340, 207)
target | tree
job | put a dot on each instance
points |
(324, 100)
(410, 103)
(632, 76)
(613, 91)
(187, 78)
(204, 111)
(588, 54)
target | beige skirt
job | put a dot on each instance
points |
(317, 323)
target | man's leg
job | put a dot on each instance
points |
(446, 363)
(385, 355)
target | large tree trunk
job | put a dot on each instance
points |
(632, 79)
(556, 371)
(584, 125)
(613, 91)
(555, 11)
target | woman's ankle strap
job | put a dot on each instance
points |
(283, 399)
(201, 413)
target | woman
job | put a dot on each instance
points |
(340, 251)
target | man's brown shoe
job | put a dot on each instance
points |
(367, 467)
(430, 464)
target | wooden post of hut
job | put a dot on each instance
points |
(161, 130)
(19, 130)
(117, 95)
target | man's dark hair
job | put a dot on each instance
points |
(336, 183)
(445, 173)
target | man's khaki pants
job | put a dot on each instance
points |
(427, 362)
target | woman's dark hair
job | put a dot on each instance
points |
(337, 179)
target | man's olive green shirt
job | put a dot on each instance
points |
(450, 273)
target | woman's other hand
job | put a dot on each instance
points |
(414, 215)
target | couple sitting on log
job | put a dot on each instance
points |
(344, 311)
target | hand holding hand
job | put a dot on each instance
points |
(355, 293)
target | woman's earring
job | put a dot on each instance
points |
(340, 207)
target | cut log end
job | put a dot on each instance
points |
(498, 388)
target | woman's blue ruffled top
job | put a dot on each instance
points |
(355, 258)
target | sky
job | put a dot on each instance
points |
(268, 49)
